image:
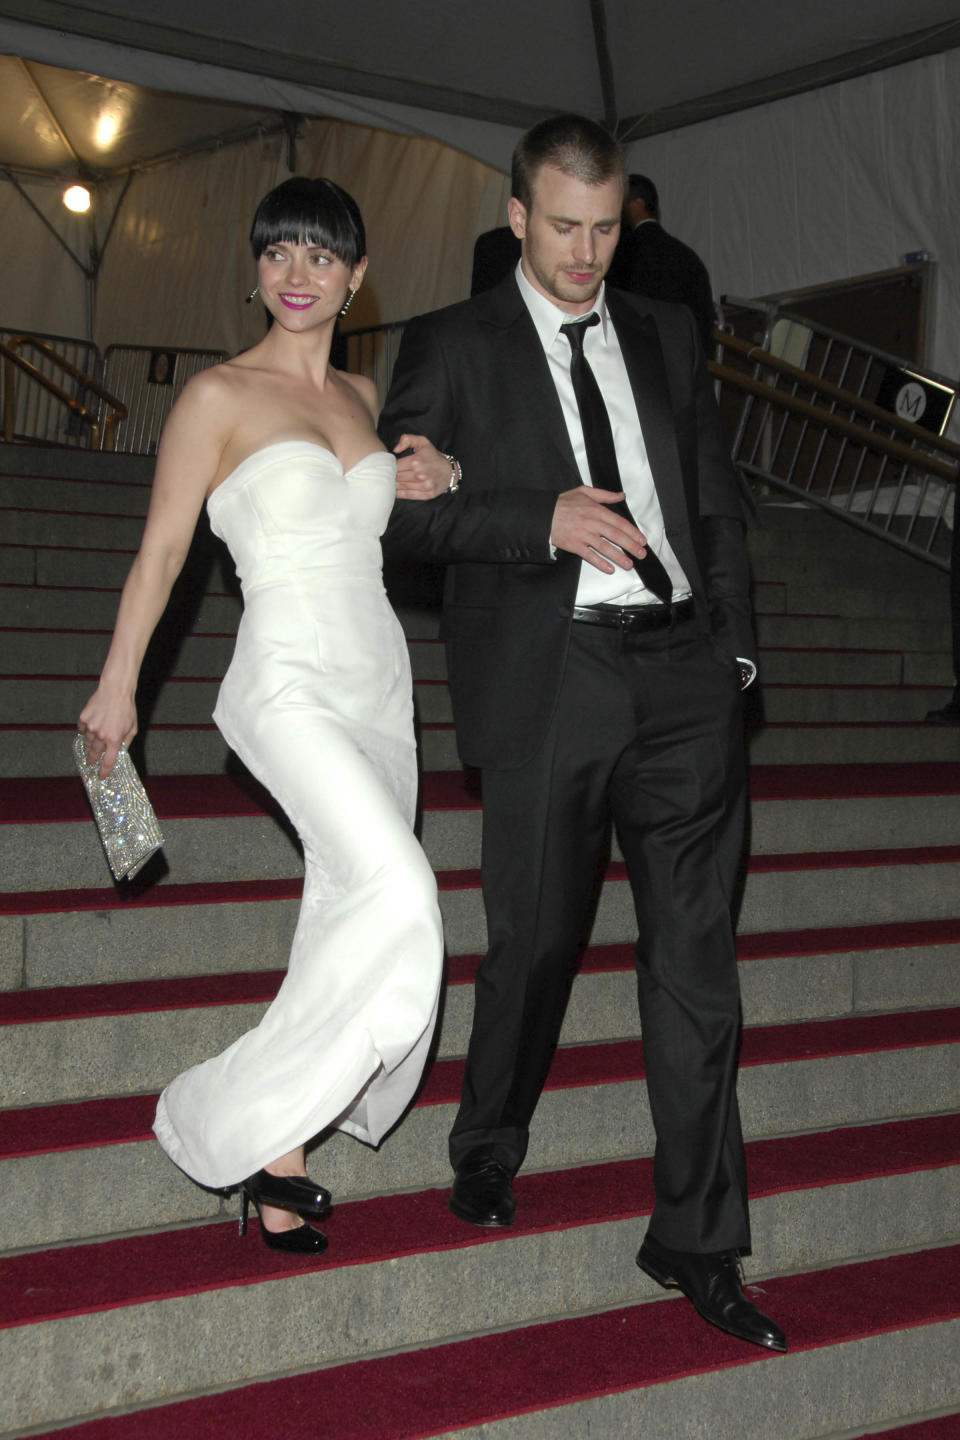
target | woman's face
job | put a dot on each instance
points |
(304, 285)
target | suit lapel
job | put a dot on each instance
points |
(524, 371)
(647, 372)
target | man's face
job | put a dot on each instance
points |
(568, 236)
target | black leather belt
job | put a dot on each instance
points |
(634, 617)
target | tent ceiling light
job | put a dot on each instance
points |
(77, 198)
(107, 130)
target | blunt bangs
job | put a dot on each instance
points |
(305, 211)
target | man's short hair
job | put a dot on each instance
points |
(641, 187)
(571, 143)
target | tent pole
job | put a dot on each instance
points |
(598, 15)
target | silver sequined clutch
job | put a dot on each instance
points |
(124, 815)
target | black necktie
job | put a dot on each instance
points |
(601, 451)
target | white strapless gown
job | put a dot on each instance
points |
(317, 703)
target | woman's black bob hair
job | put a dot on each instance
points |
(309, 211)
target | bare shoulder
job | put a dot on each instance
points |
(214, 386)
(214, 396)
(365, 389)
(205, 415)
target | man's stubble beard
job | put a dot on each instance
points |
(563, 290)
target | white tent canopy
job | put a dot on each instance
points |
(842, 160)
(474, 75)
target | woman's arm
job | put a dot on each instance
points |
(187, 461)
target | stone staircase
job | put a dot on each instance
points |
(128, 1306)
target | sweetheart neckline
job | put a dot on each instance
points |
(281, 444)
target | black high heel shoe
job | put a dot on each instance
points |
(287, 1192)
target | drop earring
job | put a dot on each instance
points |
(347, 303)
(253, 294)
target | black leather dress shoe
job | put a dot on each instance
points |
(713, 1285)
(482, 1190)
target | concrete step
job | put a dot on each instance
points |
(842, 632)
(790, 702)
(82, 652)
(928, 593)
(58, 699)
(784, 975)
(861, 888)
(49, 528)
(793, 541)
(64, 496)
(783, 744)
(173, 1346)
(808, 537)
(811, 865)
(644, 1369)
(802, 666)
(927, 668)
(201, 750)
(42, 461)
(18, 564)
(39, 653)
(219, 841)
(31, 651)
(70, 609)
(66, 608)
(840, 559)
(849, 1380)
(93, 1168)
(44, 561)
(94, 935)
(84, 1041)
(32, 749)
(89, 567)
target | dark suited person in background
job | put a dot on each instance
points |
(596, 656)
(650, 261)
(495, 255)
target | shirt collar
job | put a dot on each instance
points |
(548, 318)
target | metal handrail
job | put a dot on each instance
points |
(820, 386)
(861, 352)
(150, 378)
(11, 359)
(839, 462)
(11, 356)
(847, 428)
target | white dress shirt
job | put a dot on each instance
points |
(602, 349)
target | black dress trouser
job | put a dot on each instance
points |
(648, 732)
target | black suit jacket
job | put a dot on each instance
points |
(495, 255)
(475, 380)
(650, 261)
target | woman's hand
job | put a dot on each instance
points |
(107, 722)
(425, 473)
